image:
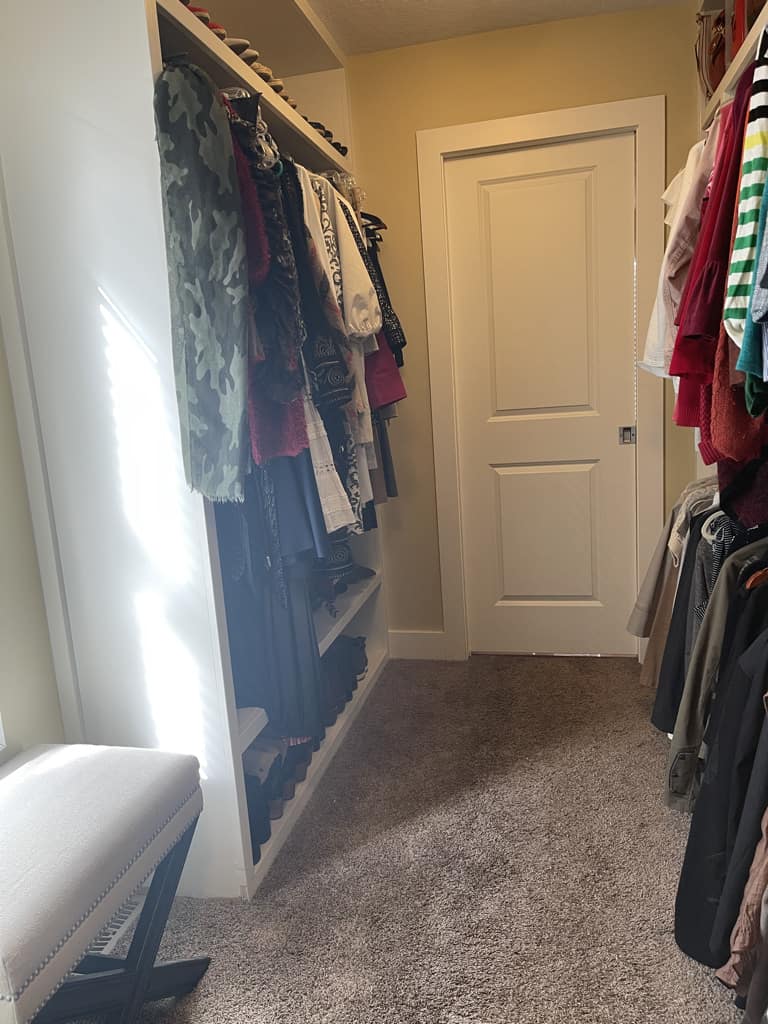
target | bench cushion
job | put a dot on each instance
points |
(81, 828)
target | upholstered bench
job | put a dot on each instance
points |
(81, 829)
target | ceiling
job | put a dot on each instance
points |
(360, 26)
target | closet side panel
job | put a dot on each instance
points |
(83, 189)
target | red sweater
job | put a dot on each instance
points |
(701, 308)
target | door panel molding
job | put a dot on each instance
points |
(645, 119)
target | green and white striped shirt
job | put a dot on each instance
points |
(754, 170)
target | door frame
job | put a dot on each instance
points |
(645, 119)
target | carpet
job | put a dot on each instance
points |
(488, 847)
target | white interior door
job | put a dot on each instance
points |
(542, 275)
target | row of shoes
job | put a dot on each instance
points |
(252, 57)
(273, 766)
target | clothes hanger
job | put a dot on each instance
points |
(373, 220)
(757, 579)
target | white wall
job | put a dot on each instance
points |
(323, 97)
(29, 705)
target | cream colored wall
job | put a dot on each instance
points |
(29, 703)
(396, 93)
(323, 96)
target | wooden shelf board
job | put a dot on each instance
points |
(347, 605)
(741, 61)
(182, 32)
(334, 736)
(250, 722)
(290, 36)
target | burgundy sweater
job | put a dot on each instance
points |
(701, 308)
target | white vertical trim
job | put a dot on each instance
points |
(38, 490)
(644, 117)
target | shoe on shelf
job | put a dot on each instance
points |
(201, 13)
(297, 761)
(342, 149)
(277, 84)
(218, 30)
(290, 101)
(250, 56)
(354, 650)
(237, 46)
(262, 70)
(258, 815)
(264, 760)
(339, 568)
(320, 127)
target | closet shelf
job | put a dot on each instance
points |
(348, 605)
(741, 61)
(334, 736)
(250, 722)
(182, 32)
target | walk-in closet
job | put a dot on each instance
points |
(384, 519)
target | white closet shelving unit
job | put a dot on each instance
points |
(128, 555)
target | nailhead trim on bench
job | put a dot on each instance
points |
(62, 942)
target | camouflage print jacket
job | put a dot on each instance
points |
(207, 278)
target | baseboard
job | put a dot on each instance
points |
(418, 645)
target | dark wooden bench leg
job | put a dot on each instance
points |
(116, 989)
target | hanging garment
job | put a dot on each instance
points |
(279, 314)
(277, 429)
(753, 175)
(382, 377)
(324, 247)
(390, 321)
(387, 463)
(207, 279)
(642, 616)
(750, 358)
(657, 639)
(736, 434)
(337, 511)
(324, 349)
(686, 215)
(359, 304)
(329, 236)
(750, 505)
(658, 325)
(701, 308)
(393, 329)
(256, 241)
(719, 533)
(747, 860)
(732, 735)
(700, 679)
(276, 372)
(757, 1000)
(674, 663)
(325, 250)
(696, 497)
(362, 318)
(757, 362)
(273, 645)
(345, 459)
(652, 615)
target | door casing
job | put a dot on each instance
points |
(645, 119)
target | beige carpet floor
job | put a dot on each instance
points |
(489, 847)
